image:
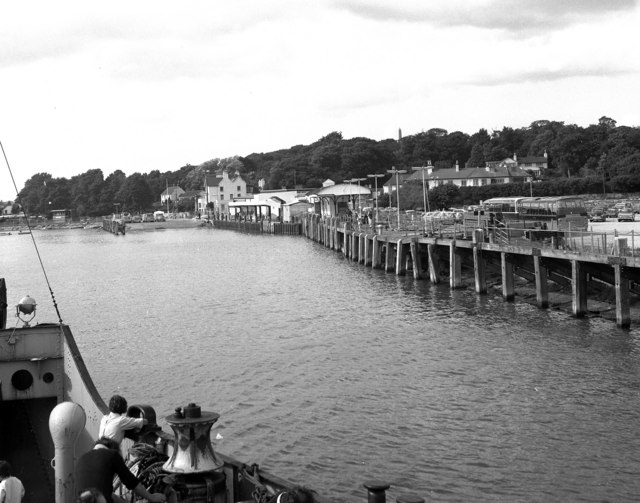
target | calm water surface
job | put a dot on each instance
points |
(330, 374)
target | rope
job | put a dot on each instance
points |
(55, 304)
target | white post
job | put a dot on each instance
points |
(66, 422)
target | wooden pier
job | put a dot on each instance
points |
(261, 227)
(436, 258)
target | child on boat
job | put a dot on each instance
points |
(114, 424)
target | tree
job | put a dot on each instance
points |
(445, 196)
(607, 122)
(476, 159)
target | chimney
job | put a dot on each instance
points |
(457, 167)
(515, 157)
(429, 167)
(545, 153)
(399, 134)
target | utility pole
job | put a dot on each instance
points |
(425, 191)
(375, 180)
(397, 172)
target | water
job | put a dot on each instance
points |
(330, 374)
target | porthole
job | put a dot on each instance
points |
(48, 377)
(22, 380)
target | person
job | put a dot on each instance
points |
(95, 471)
(11, 489)
(297, 494)
(91, 496)
(114, 424)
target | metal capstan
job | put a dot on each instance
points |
(192, 452)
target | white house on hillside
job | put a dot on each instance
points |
(220, 189)
(173, 192)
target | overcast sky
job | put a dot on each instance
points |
(139, 85)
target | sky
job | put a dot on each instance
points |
(145, 85)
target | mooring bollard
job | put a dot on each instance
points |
(376, 491)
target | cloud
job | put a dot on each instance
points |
(544, 75)
(522, 16)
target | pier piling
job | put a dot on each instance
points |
(508, 291)
(578, 289)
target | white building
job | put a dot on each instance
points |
(220, 189)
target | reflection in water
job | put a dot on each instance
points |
(329, 373)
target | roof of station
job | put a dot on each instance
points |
(343, 189)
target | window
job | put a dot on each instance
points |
(221, 188)
(475, 182)
(483, 181)
(238, 189)
(221, 197)
(464, 183)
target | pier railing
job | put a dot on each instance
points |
(614, 243)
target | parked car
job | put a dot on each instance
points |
(158, 216)
(626, 216)
(597, 216)
(147, 217)
(136, 219)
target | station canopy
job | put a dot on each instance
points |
(343, 189)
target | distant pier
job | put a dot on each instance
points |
(583, 264)
(114, 225)
(259, 227)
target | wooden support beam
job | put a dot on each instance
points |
(455, 266)
(578, 289)
(542, 287)
(623, 314)
(376, 262)
(415, 258)
(346, 248)
(508, 292)
(400, 258)
(354, 246)
(367, 250)
(388, 257)
(434, 263)
(479, 271)
(361, 256)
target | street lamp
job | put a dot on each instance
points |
(358, 180)
(397, 172)
(375, 179)
(425, 192)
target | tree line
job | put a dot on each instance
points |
(602, 157)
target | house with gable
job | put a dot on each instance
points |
(220, 189)
(493, 173)
(171, 193)
(391, 185)
(535, 165)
